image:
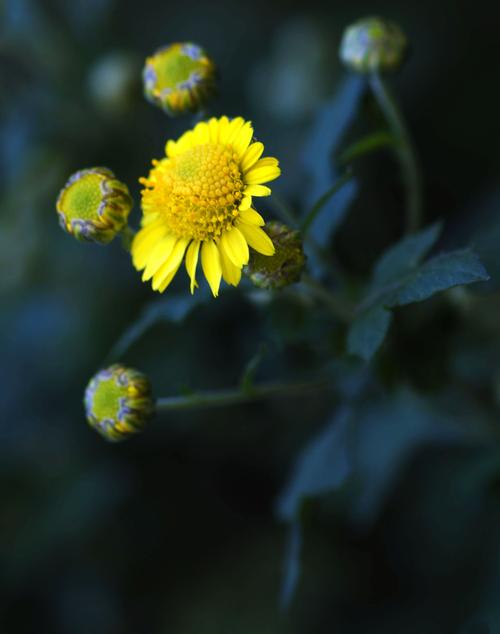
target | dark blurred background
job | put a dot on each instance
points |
(175, 530)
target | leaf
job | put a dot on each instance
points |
(405, 255)
(322, 467)
(328, 130)
(368, 331)
(291, 564)
(387, 433)
(441, 273)
(173, 309)
(399, 279)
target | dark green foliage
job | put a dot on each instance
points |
(370, 504)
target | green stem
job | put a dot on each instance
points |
(127, 235)
(366, 145)
(236, 396)
(320, 203)
(405, 150)
(337, 305)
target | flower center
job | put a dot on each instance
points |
(83, 198)
(198, 192)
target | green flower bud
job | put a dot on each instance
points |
(285, 266)
(93, 206)
(373, 45)
(118, 402)
(179, 78)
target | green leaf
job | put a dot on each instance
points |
(399, 279)
(405, 255)
(368, 331)
(438, 274)
(322, 467)
(329, 127)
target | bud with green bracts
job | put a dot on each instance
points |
(94, 206)
(285, 266)
(373, 45)
(118, 402)
(179, 78)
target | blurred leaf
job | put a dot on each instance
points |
(323, 466)
(387, 432)
(331, 123)
(399, 280)
(368, 331)
(291, 564)
(172, 309)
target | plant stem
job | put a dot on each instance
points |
(337, 305)
(127, 235)
(405, 150)
(235, 396)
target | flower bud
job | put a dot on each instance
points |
(179, 78)
(282, 268)
(373, 45)
(118, 402)
(93, 206)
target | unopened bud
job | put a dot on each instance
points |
(94, 206)
(373, 45)
(285, 266)
(118, 402)
(179, 78)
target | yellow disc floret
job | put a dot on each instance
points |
(198, 193)
(197, 204)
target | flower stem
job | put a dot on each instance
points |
(127, 235)
(235, 396)
(338, 306)
(405, 150)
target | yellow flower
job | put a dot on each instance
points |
(197, 202)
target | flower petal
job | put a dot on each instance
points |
(252, 217)
(251, 156)
(202, 133)
(235, 246)
(144, 242)
(171, 264)
(230, 272)
(191, 262)
(257, 238)
(233, 128)
(210, 261)
(159, 256)
(257, 190)
(213, 126)
(266, 169)
(242, 140)
(245, 203)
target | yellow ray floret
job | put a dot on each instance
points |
(197, 205)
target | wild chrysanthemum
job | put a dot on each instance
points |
(197, 202)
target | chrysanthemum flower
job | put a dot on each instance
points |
(197, 203)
